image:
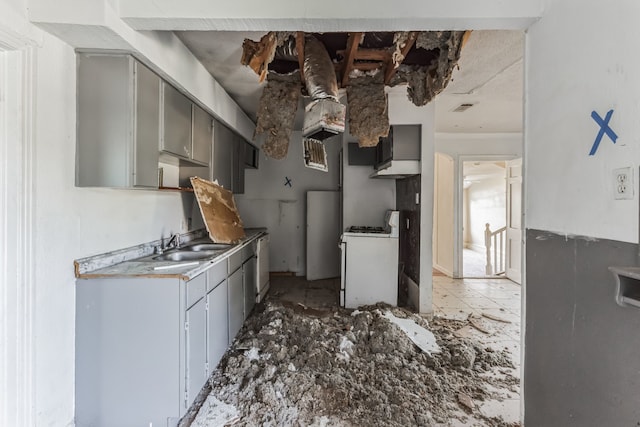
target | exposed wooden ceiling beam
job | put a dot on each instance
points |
(362, 66)
(300, 49)
(391, 67)
(352, 46)
(369, 54)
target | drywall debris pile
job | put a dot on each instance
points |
(288, 367)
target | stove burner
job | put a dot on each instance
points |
(365, 229)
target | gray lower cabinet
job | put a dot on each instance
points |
(118, 122)
(196, 349)
(217, 324)
(236, 303)
(130, 358)
(145, 346)
(249, 280)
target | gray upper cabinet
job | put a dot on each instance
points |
(117, 122)
(406, 142)
(176, 124)
(147, 124)
(223, 155)
(229, 157)
(238, 164)
(202, 135)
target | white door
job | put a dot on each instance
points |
(514, 220)
(323, 234)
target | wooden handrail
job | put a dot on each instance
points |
(495, 265)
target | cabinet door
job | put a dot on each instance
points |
(249, 280)
(217, 325)
(176, 136)
(406, 142)
(196, 340)
(147, 125)
(236, 304)
(223, 156)
(104, 120)
(202, 135)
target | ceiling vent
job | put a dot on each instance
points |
(462, 107)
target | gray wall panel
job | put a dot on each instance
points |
(582, 351)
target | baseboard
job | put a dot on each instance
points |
(443, 270)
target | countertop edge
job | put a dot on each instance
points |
(186, 275)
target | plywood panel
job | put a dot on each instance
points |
(219, 211)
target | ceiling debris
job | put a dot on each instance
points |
(277, 112)
(425, 82)
(363, 63)
(368, 109)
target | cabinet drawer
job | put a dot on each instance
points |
(235, 261)
(196, 289)
(216, 274)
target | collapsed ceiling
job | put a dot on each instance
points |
(318, 65)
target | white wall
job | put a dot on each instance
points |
(560, 131)
(365, 200)
(443, 218)
(268, 202)
(487, 204)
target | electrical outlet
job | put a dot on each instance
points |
(623, 183)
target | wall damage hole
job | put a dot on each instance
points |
(365, 62)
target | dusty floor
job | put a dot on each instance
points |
(299, 360)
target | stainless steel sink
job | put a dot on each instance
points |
(184, 255)
(197, 247)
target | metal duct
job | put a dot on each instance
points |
(319, 72)
(324, 116)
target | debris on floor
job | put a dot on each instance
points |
(335, 367)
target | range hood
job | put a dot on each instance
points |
(397, 169)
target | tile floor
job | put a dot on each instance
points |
(458, 298)
(317, 294)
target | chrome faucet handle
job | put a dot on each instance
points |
(174, 241)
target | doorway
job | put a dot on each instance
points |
(484, 213)
(490, 235)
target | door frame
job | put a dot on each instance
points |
(458, 203)
(17, 215)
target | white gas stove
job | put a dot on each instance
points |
(370, 264)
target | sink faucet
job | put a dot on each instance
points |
(174, 241)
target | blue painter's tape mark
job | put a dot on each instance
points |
(604, 129)
(287, 181)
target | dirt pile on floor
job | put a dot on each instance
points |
(291, 366)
